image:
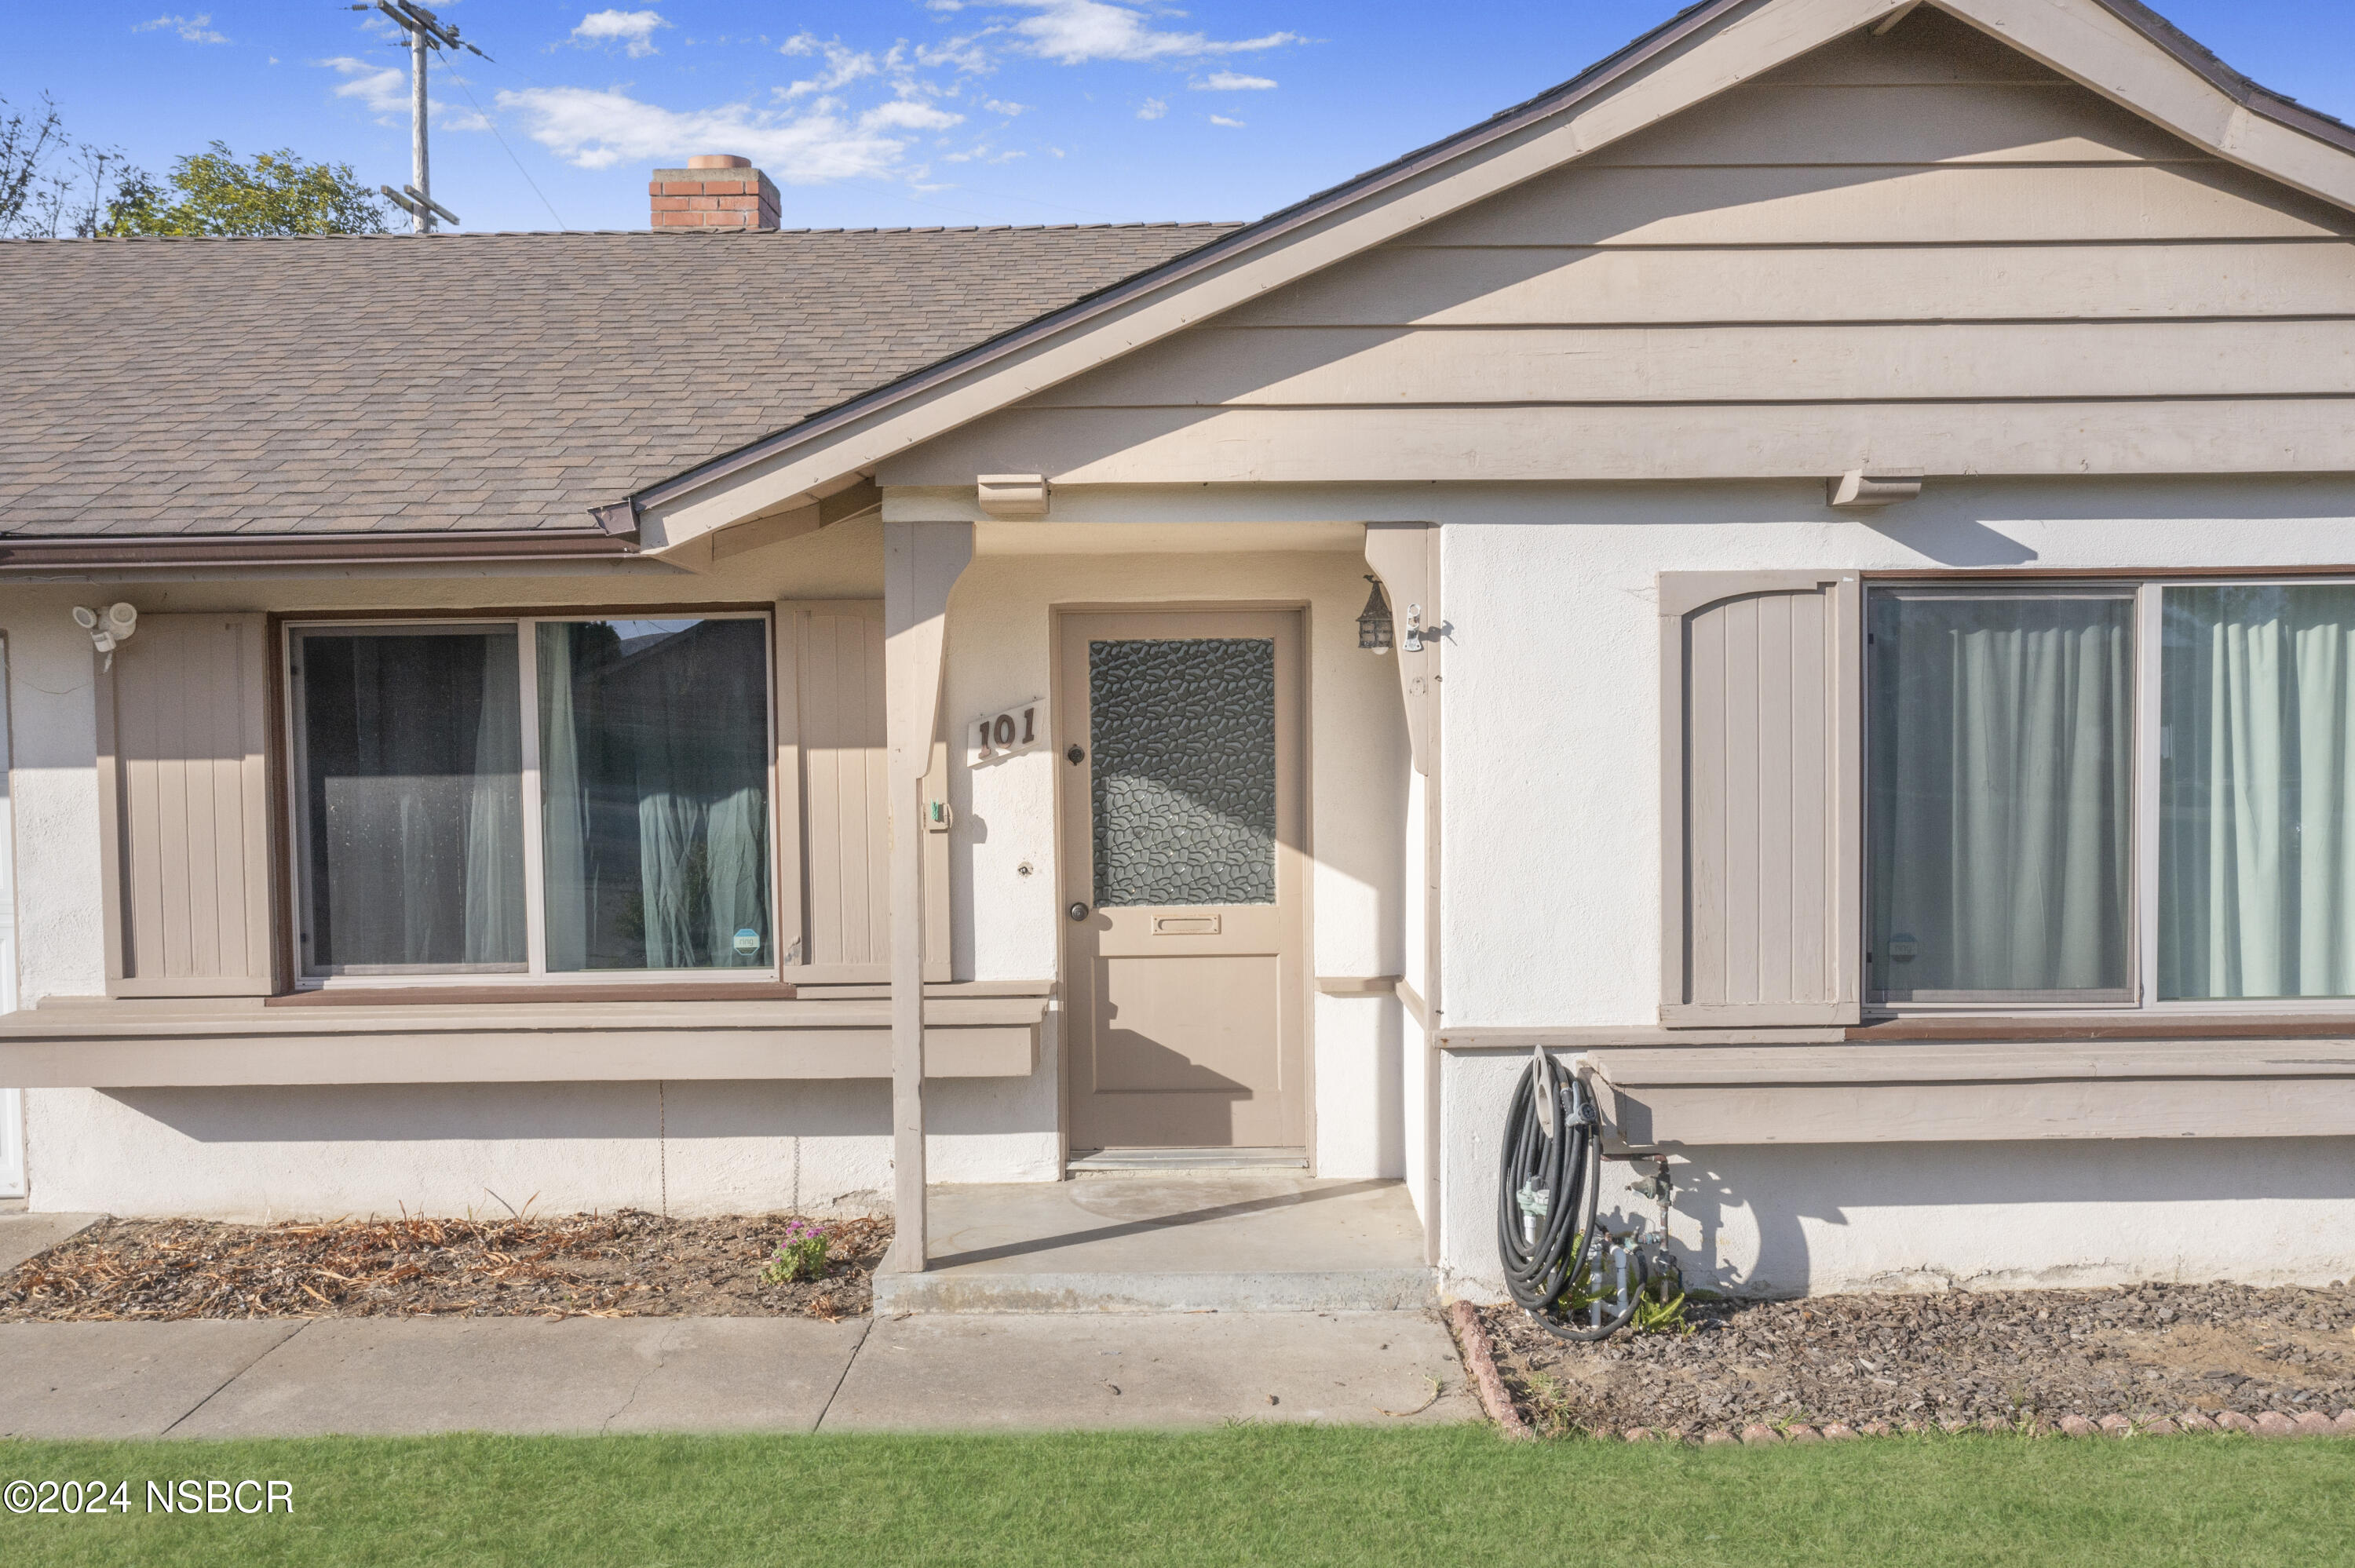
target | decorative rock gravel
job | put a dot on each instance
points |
(2075, 1426)
(2007, 1360)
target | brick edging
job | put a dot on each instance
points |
(1480, 1361)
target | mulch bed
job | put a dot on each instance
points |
(2010, 1360)
(629, 1263)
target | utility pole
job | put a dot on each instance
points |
(421, 169)
(425, 31)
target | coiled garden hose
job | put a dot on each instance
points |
(1547, 1188)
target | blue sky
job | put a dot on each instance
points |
(893, 112)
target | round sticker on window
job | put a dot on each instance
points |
(747, 941)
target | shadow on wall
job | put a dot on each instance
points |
(421, 1113)
(2005, 1215)
(681, 1147)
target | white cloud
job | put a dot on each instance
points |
(907, 114)
(1231, 81)
(966, 54)
(383, 90)
(194, 30)
(1151, 109)
(633, 29)
(1073, 32)
(999, 106)
(813, 144)
(1230, 124)
(843, 65)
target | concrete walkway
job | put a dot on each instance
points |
(381, 1377)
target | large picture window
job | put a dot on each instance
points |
(2000, 796)
(560, 797)
(2140, 794)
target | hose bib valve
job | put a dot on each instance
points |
(1534, 1202)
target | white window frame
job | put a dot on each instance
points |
(2142, 902)
(535, 971)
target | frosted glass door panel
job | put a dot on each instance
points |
(1183, 788)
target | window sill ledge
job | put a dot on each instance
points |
(95, 1044)
(1665, 1094)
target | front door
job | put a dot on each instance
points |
(1182, 892)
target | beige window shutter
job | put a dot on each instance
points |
(183, 798)
(835, 838)
(1762, 798)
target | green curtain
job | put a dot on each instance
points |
(2001, 795)
(2256, 861)
(494, 891)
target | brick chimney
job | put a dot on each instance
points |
(716, 190)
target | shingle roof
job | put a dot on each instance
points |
(317, 385)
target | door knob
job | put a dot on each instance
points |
(1078, 911)
(1075, 754)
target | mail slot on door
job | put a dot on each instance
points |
(1186, 924)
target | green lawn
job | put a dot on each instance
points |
(1245, 1494)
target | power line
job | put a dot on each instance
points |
(494, 126)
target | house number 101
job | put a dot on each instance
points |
(1017, 729)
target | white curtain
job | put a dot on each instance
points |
(2001, 795)
(654, 752)
(494, 894)
(564, 805)
(2258, 864)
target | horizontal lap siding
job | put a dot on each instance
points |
(1924, 219)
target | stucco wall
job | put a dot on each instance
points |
(701, 1148)
(1552, 806)
(1797, 1220)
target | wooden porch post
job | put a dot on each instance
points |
(922, 561)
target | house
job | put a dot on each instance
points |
(1862, 501)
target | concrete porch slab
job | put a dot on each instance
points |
(1230, 1241)
(376, 1376)
(121, 1380)
(967, 1374)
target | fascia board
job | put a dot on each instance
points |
(1746, 43)
(2106, 54)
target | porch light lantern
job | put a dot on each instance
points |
(1374, 628)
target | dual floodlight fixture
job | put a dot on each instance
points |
(110, 628)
